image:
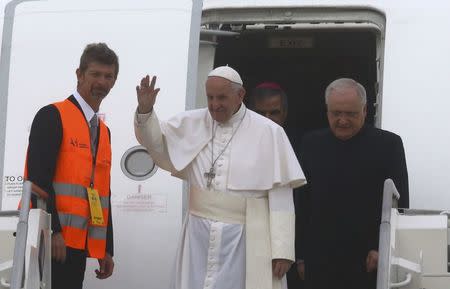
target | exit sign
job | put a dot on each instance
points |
(291, 42)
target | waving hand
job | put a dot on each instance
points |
(146, 94)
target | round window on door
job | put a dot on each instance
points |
(137, 164)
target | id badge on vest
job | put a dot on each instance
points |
(96, 207)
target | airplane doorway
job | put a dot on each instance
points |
(301, 48)
(303, 62)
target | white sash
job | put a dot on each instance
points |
(254, 213)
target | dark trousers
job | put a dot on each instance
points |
(70, 274)
(339, 276)
(293, 279)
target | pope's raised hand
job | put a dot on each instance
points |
(146, 94)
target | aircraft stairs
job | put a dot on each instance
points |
(25, 251)
(413, 247)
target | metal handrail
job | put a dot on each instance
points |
(21, 238)
(218, 32)
(390, 197)
(17, 275)
(402, 283)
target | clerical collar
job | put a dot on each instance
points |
(354, 138)
(235, 118)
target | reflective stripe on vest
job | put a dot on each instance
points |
(72, 177)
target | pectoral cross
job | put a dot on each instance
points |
(210, 176)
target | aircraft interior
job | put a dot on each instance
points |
(303, 62)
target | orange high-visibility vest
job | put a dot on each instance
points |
(73, 175)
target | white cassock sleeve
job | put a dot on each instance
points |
(282, 223)
(148, 133)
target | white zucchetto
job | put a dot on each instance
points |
(227, 73)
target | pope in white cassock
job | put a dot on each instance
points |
(241, 169)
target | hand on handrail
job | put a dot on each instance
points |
(39, 192)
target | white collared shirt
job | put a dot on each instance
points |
(85, 107)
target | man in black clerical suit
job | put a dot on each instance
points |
(345, 166)
(270, 100)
